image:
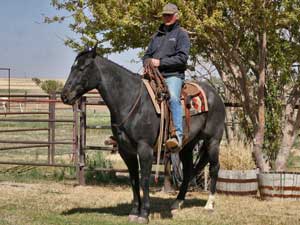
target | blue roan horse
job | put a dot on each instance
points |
(136, 135)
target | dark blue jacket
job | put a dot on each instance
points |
(170, 44)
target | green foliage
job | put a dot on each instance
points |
(35, 174)
(96, 177)
(49, 86)
(36, 80)
(273, 118)
(226, 33)
(64, 173)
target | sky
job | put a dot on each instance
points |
(32, 48)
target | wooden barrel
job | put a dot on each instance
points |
(279, 185)
(237, 182)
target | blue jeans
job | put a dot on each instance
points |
(174, 85)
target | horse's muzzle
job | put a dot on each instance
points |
(65, 97)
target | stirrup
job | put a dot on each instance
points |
(173, 145)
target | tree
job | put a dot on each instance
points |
(36, 80)
(252, 43)
(49, 86)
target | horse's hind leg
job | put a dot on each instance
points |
(214, 165)
(132, 164)
(186, 157)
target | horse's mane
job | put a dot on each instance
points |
(119, 66)
(83, 53)
(122, 68)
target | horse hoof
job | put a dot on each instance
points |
(209, 211)
(210, 204)
(143, 220)
(209, 208)
(167, 190)
(174, 212)
(177, 205)
(133, 218)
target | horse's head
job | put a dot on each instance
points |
(82, 77)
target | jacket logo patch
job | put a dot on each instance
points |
(172, 39)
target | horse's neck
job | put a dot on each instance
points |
(118, 89)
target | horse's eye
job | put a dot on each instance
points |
(84, 66)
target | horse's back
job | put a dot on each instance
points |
(214, 100)
(215, 119)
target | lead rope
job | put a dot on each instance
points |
(160, 140)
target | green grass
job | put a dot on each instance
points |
(94, 119)
(13, 91)
(31, 174)
(96, 177)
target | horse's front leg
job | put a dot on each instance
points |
(131, 162)
(145, 153)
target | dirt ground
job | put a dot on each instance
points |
(64, 203)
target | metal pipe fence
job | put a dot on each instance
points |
(49, 103)
(78, 124)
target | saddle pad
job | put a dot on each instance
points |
(199, 102)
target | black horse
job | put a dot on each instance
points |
(135, 125)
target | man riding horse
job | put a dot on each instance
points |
(134, 119)
(168, 50)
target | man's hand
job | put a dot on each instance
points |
(156, 62)
(150, 63)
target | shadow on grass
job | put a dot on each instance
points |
(158, 206)
(124, 181)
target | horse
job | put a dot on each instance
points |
(135, 126)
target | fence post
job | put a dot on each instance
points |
(51, 126)
(25, 103)
(49, 134)
(82, 137)
(75, 139)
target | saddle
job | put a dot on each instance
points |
(194, 102)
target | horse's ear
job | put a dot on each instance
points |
(95, 50)
(86, 48)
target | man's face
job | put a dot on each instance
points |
(169, 19)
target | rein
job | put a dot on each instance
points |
(132, 108)
(152, 74)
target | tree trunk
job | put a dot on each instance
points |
(260, 159)
(289, 135)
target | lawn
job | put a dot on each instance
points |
(48, 202)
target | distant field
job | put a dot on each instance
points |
(19, 86)
(22, 85)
